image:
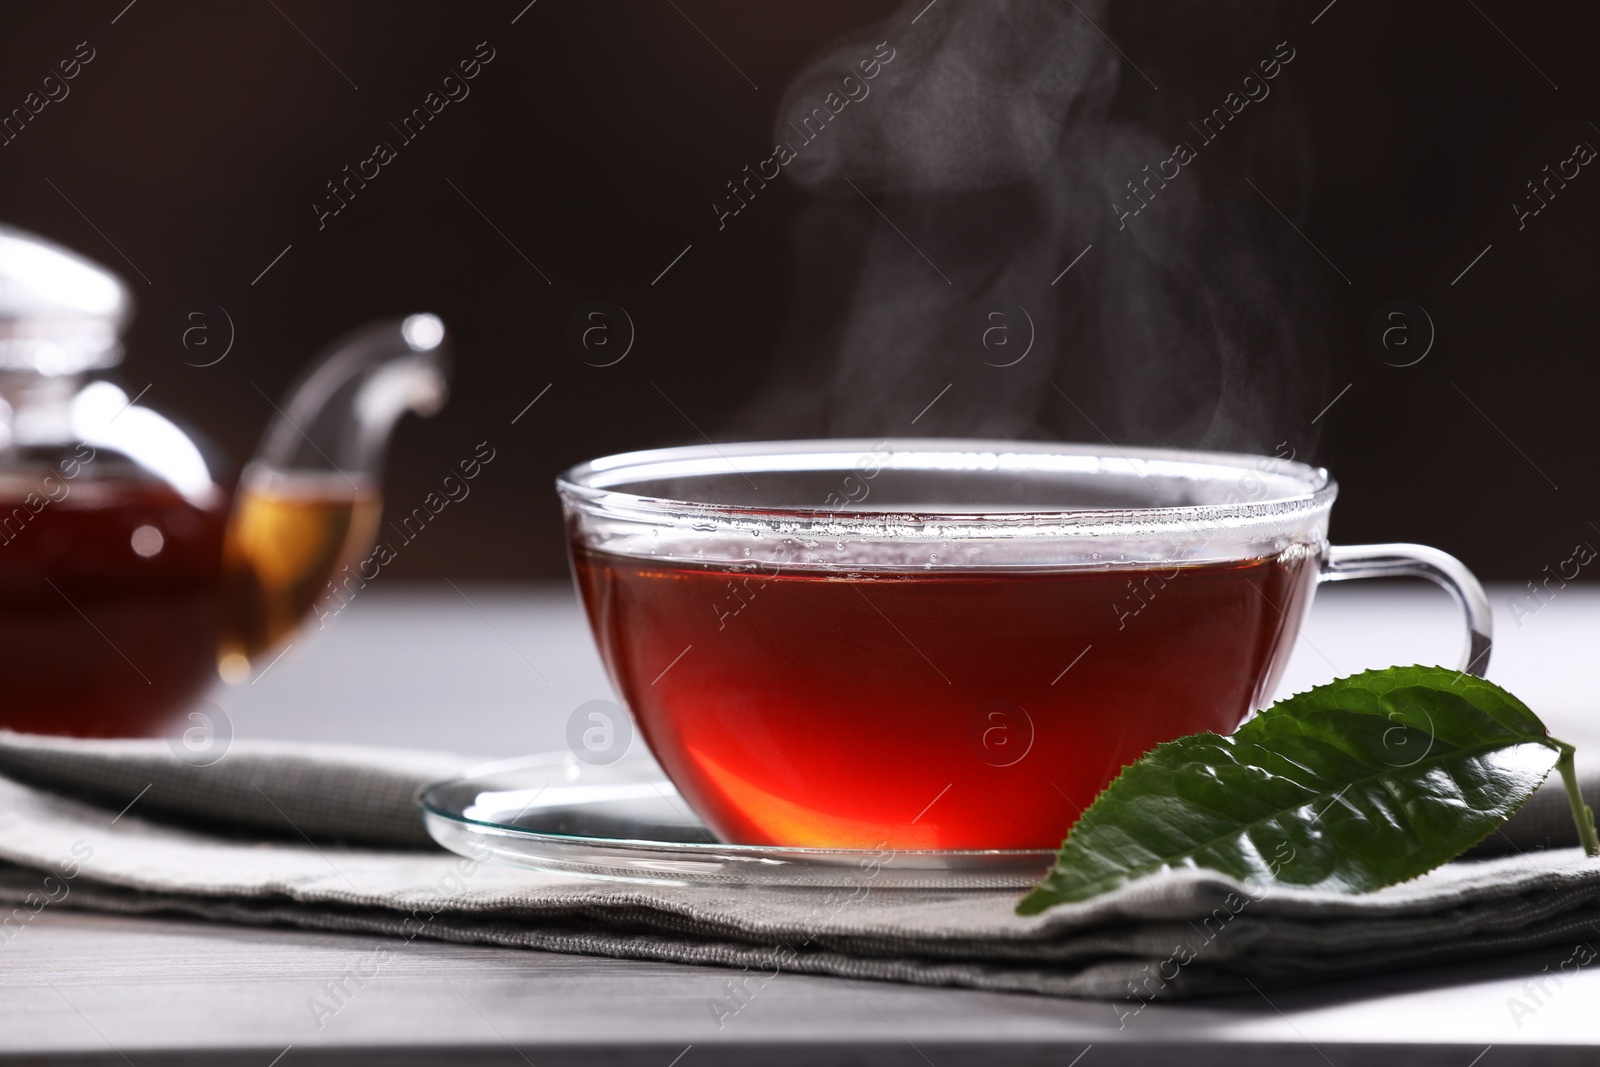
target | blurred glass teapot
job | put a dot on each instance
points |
(130, 572)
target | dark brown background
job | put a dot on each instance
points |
(201, 133)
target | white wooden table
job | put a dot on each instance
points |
(431, 667)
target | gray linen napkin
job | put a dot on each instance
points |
(324, 838)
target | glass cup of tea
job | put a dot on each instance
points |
(942, 644)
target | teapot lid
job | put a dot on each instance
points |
(60, 313)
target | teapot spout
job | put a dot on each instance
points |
(308, 503)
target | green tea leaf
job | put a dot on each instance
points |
(1354, 785)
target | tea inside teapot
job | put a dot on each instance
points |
(129, 575)
(288, 536)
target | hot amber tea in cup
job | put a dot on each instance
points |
(942, 644)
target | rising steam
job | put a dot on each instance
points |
(1003, 139)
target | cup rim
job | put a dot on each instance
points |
(594, 487)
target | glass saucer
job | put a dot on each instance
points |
(625, 822)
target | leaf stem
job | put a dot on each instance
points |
(1580, 811)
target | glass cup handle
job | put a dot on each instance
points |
(1343, 562)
